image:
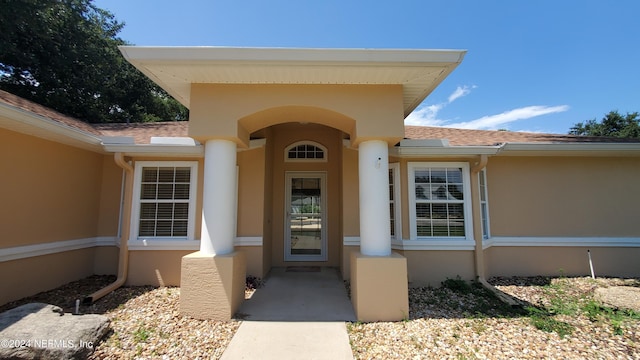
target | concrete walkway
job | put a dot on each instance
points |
(296, 315)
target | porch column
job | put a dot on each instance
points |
(373, 170)
(212, 280)
(218, 203)
(379, 282)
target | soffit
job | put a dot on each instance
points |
(176, 68)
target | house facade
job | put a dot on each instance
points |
(300, 157)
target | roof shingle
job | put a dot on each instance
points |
(466, 137)
(142, 132)
(46, 112)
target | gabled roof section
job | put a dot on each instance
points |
(467, 137)
(176, 68)
(422, 140)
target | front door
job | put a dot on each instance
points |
(305, 217)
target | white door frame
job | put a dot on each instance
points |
(288, 256)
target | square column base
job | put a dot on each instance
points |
(379, 287)
(212, 286)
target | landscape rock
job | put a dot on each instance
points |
(42, 331)
(621, 297)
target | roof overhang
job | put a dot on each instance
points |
(26, 122)
(176, 68)
(570, 149)
(417, 149)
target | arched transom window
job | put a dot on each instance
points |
(305, 151)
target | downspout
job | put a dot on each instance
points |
(123, 258)
(479, 251)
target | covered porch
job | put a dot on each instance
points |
(289, 136)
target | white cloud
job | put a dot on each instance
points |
(460, 92)
(428, 115)
(493, 122)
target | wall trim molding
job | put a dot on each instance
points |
(503, 241)
(561, 241)
(248, 241)
(193, 245)
(351, 241)
(27, 251)
(54, 247)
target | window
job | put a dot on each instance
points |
(394, 201)
(305, 151)
(164, 200)
(484, 206)
(440, 200)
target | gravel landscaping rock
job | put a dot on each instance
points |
(469, 324)
(145, 322)
(459, 321)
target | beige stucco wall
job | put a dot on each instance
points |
(563, 196)
(363, 111)
(28, 276)
(110, 197)
(557, 261)
(253, 258)
(431, 267)
(105, 260)
(282, 136)
(50, 192)
(155, 267)
(426, 267)
(251, 192)
(350, 194)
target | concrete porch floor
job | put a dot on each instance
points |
(295, 315)
(299, 296)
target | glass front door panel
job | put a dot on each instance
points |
(305, 217)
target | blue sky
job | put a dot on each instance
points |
(531, 65)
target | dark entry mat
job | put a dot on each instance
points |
(303, 269)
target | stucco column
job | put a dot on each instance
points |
(373, 172)
(218, 203)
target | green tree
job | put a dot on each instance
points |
(64, 54)
(612, 124)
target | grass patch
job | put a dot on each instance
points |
(562, 302)
(550, 324)
(141, 334)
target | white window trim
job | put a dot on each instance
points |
(306, 142)
(468, 218)
(153, 243)
(483, 173)
(395, 167)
